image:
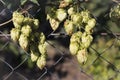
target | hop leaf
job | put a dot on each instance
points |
(41, 62)
(82, 56)
(24, 42)
(61, 14)
(17, 18)
(26, 30)
(69, 27)
(74, 47)
(15, 34)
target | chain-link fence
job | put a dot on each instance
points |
(103, 57)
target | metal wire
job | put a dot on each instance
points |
(61, 53)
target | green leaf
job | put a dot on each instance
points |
(23, 2)
(35, 1)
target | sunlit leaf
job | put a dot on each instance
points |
(35, 1)
(22, 2)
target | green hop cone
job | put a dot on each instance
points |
(86, 16)
(16, 25)
(61, 14)
(115, 13)
(26, 30)
(90, 26)
(77, 19)
(54, 23)
(28, 21)
(76, 37)
(71, 11)
(86, 40)
(34, 56)
(17, 18)
(68, 1)
(24, 42)
(91, 23)
(34, 52)
(42, 48)
(41, 62)
(63, 4)
(41, 38)
(82, 56)
(69, 27)
(74, 47)
(15, 34)
(88, 29)
(36, 24)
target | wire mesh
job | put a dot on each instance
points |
(12, 72)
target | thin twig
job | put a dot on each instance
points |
(2, 24)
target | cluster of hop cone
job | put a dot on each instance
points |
(25, 32)
(115, 14)
(78, 24)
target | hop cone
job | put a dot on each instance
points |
(115, 13)
(68, 1)
(69, 27)
(77, 19)
(74, 47)
(71, 11)
(34, 56)
(28, 21)
(41, 62)
(76, 37)
(24, 41)
(26, 30)
(41, 38)
(36, 24)
(82, 56)
(42, 48)
(86, 16)
(15, 34)
(90, 25)
(54, 23)
(86, 40)
(61, 14)
(34, 53)
(17, 18)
